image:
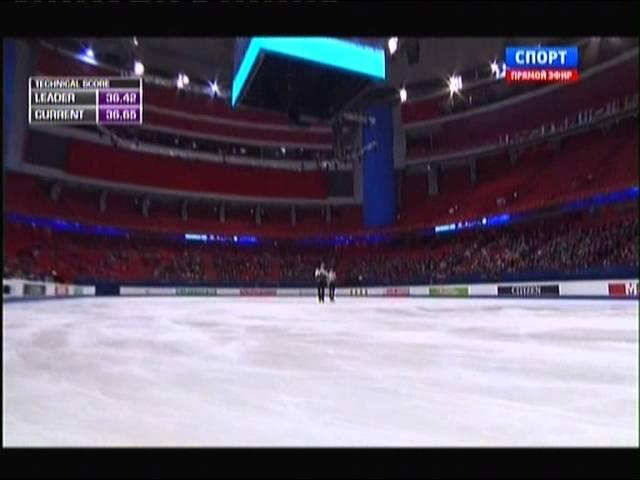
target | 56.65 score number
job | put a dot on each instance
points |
(120, 115)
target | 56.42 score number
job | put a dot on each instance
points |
(121, 98)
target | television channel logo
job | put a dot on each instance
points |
(538, 64)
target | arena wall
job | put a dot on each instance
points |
(18, 289)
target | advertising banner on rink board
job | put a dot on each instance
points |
(34, 290)
(196, 291)
(258, 292)
(448, 291)
(623, 289)
(359, 292)
(528, 290)
(62, 290)
(396, 292)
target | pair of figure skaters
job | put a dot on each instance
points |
(325, 277)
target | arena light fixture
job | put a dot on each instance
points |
(455, 84)
(138, 68)
(182, 81)
(87, 56)
(403, 95)
(494, 69)
(393, 45)
(215, 89)
(498, 71)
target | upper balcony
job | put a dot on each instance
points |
(483, 129)
(184, 112)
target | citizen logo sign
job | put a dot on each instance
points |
(528, 291)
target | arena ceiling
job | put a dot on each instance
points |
(200, 58)
(441, 57)
(211, 58)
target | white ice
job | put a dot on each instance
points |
(291, 372)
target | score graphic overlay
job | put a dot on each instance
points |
(85, 100)
(542, 64)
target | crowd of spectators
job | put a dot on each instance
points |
(564, 249)
(232, 266)
(187, 267)
(24, 266)
(558, 246)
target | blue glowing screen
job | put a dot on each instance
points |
(332, 52)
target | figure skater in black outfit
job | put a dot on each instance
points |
(331, 277)
(321, 281)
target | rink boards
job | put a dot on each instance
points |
(607, 288)
(27, 289)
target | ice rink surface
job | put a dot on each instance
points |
(291, 372)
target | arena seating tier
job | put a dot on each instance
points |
(103, 162)
(585, 165)
(485, 128)
(566, 244)
(194, 113)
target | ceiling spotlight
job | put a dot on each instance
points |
(138, 68)
(494, 69)
(393, 45)
(455, 84)
(87, 56)
(215, 89)
(403, 94)
(183, 80)
(498, 71)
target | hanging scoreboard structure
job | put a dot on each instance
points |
(311, 79)
(85, 100)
